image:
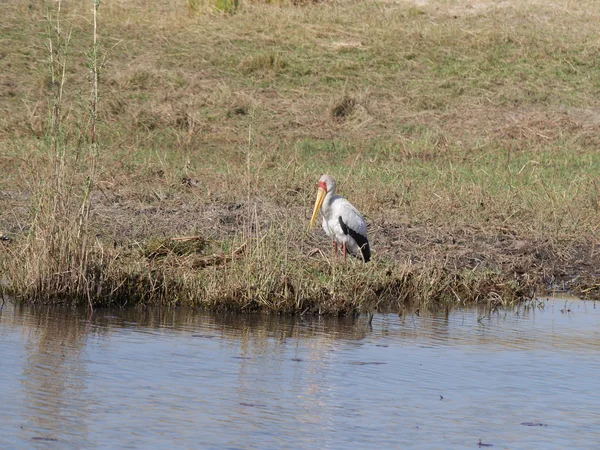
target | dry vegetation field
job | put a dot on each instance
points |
(467, 132)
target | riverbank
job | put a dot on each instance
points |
(467, 135)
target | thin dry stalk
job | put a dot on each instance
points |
(84, 218)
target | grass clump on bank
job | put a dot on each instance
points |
(469, 144)
(52, 260)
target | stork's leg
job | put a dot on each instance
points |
(335, 252)
(344, 252)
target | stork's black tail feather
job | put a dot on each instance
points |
(361, 240)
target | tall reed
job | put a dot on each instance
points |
(55, 262)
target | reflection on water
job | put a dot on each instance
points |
(142, 378)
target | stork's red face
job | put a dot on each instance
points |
(323, 186)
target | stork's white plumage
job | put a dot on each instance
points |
(341, 221)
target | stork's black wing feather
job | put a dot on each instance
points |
(361, 240)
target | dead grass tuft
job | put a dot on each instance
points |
(344, 108)
(263, 62)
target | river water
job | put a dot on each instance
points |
(162, 379)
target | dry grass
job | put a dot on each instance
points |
(467, 134)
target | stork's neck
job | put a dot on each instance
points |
(328, 200)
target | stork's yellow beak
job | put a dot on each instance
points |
(321, 193)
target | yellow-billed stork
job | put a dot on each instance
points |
(341, 221)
